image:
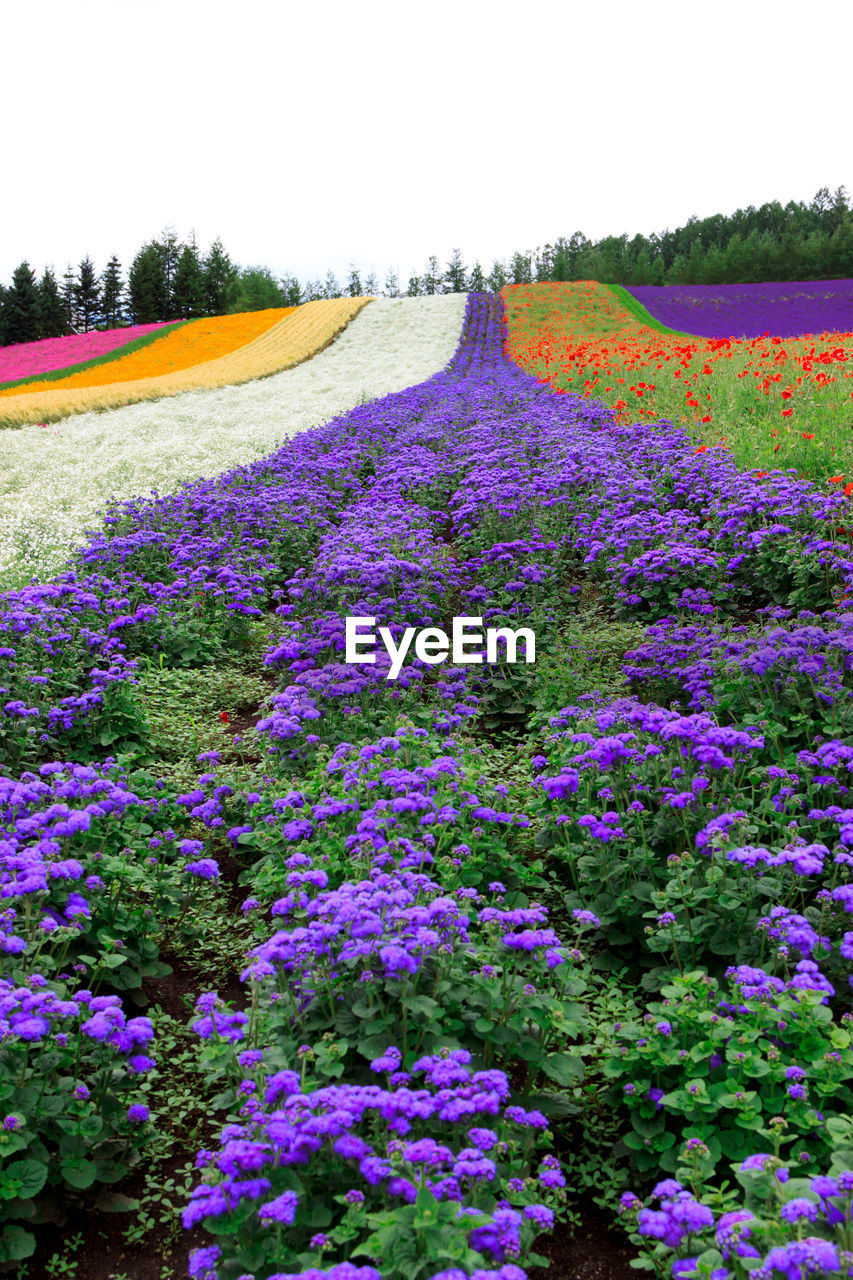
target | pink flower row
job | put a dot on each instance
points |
(25, 359)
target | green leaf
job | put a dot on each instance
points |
(16, 1243)
(29, 1175)
(565, 1068)
(80, 1175)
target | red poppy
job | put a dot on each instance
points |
(223, 716)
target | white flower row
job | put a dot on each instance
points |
(54, 480)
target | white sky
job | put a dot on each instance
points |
(308, 134)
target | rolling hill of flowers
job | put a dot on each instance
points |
(55, 479)
(26, 361)
(218, 352)
(773, 401)
(813, 307)
(452, 957)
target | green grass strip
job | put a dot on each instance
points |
(639, 312)
(56, 375)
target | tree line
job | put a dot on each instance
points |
(171, 280)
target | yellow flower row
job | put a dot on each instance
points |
(190, 344)
(302, 333)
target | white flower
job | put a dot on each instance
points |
(53, 483)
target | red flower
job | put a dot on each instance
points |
(223, 716)
(808, 435)
(786, 413)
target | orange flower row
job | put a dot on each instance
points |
(190, 344)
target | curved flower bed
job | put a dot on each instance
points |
(774, 401)
(54, 480)
(300, 334)
(481, 916)
(751, 310)
(29, 359)
(192, 343)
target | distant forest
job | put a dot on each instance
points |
(169, 279)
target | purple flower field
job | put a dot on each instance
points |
(487, 938)
(786, 310)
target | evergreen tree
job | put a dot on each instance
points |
(431, 279)
(220, 279)
(414, 290)
(392, 284)
(314, 290)
(476, 280)
(521, 268)
(331, 288)
(68, 304)
(112, 294)
(454, 276)
(291, 290)
(87, 295)
(146, 286)
(561, 263)
(353, 286)
(52, 322)
(544, 263)
(169, 248)
(21, 319)
(257, 290)
(189, 295)
(371, 286)
(497, 277)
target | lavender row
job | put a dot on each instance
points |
(390, 871)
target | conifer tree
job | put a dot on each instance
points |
(331, 288)
(87, 295)
(68, 304)
(112, 294)
(220, 279)
(392, 284)
(521, 268)
(476, 280)
(431, 279)
(314, 290)
(371, 287)
(497, 277)
(52, 322)
(561, 266)
(21, 306)
(454, 276)
(146, 286)
(169, 248)
(291, 290)
(257, 290)
(353, 285)
(189, 295)
(414, 290)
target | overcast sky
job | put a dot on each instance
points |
(308, 135)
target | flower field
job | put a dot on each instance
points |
(752, 310)
(185, 360)
(54, 480)
(27, 360)
(307, 971)
(773, 402)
